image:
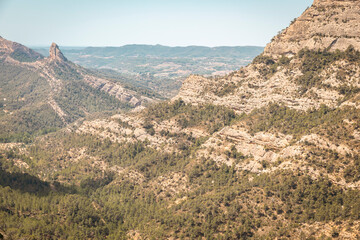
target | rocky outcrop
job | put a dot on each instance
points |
(116, 90)
(248, 89)
(280, 75)
(56, 54)
(327, 24)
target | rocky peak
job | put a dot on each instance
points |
(56, 54)
(17, 51)
(327, 24)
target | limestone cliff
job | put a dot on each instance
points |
(55, 53)
(327, 24)
(284, 74)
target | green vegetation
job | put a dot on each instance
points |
(325, 122)
(233, 153)
(221, 202)
(188, 115)
(225, 90)
(67, 185)
(138, 87)
(77, 99)
(298, 123)
(270, 65)
(24, 109)
(22, 55)
(25, 125)
(314, 62)
(160, 68)
(78, 200)
(24, 112)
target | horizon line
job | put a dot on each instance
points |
(137, 44)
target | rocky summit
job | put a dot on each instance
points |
(327, 24)
(308, 64)
(55, 53)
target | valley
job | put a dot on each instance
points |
(267, 151)
(161, 68)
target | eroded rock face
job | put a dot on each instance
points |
(250, 90)
(327, 24)
(56, 54)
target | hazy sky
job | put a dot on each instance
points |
(166, 22)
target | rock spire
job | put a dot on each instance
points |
(56, 54)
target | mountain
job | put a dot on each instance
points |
(328, 24)
(270, 151)
(162, 68)
(312, 62)
(165, 51)
(18, 52)
(41, 93)
(245, 52)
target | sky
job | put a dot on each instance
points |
(166, 22)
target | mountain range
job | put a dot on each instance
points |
(161, 68)
(270, 151)
(41, 93)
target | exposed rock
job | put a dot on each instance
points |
(251, 90)
(327, 24)
(326, 144)
(116, 90)
(129, 128)
(56, 54)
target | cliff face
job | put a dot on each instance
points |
(284, 74)
(55, 53)
(327, 24)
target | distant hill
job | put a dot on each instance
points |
(161, 68)
(165, 51)
(246, 52)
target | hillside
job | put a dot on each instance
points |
(328, 24)
(270, 151)
(41, 94)
(162, 68)
(312, 62)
